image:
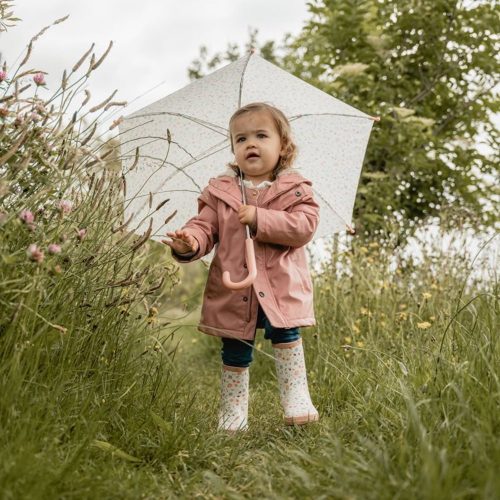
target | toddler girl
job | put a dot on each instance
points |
(282, 215)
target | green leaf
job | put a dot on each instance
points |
(108, 447)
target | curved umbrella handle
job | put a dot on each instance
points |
(252, 269)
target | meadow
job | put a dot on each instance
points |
(107, 390)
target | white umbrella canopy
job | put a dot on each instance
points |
(183, 141)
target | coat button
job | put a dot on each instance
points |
(262, 294)
(245, 299)
(297, 193)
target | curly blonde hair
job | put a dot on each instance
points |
(282, 126)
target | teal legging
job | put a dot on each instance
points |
(237, 353)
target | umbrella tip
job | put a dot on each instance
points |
(350, 229)
(376, 118)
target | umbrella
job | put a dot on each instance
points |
(172, 147)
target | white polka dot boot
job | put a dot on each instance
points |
(233, 411)
(292, 380)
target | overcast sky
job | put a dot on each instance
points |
(154, 40)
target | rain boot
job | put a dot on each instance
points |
(233, 411)
(292, 380)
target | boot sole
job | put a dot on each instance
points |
(305, 419)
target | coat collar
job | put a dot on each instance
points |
(226, 186)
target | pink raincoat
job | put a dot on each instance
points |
(287, 217)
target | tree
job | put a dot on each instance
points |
(429, 69)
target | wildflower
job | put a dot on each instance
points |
(360, 343)
(355, 329)
(373, 244)
(27, 216)
(347, 340)
(81, 233)
(365, 312)
(402, 316)
(402, 306)
(363, 249)
(34, 253)
(424, 325)
(65, 206)
(434, 286)
(54, 248)
(426, 295)
(3, 76)
(432, 318)
(39, 78)
(19, 120)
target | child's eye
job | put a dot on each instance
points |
(239, 139)
(262, 135)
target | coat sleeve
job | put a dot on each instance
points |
(204, 227)
(293, 227)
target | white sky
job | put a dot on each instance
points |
(154, 40)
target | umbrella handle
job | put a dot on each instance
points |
(252, 269)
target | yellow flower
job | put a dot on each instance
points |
(432, 318)
(434, 286)
(402, 306)
(373, 244)
(426, 295)
(193, 341)
(424, 325)
(364, 311)
(347, 340)
(402, 316)
(363, 250)
(383, 323)
(360, 343)
(355, 329)
(370, 260)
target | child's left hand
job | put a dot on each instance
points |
(248, 215)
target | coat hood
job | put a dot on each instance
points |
(227, 186)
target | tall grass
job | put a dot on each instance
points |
(104, 395)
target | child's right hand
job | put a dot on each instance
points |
(182, 242)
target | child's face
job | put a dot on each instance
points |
(257, 144)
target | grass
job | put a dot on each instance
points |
(404, 374)
(108, 391)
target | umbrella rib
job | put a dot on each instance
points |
(211, 126)
(293, 118)
(330, 207)
(242, 79)
(181, 170)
